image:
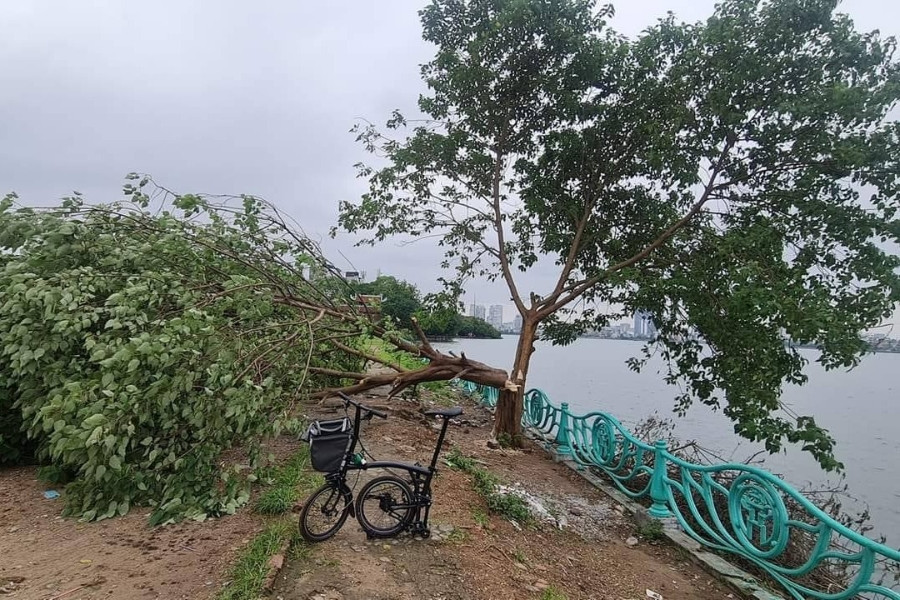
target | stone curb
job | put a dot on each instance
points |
(276, 563)
(739, 580)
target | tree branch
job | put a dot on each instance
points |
(578, 288)
(501, 238)
(441, 368)
(369, 357)
(573, 252)
(341, 374)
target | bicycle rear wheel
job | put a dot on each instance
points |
(324, 513)
(385, 506)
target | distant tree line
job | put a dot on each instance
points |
(401, 301)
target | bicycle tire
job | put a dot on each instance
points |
(384, 498)
(341, 503)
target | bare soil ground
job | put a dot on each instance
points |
(46, 557)
(586, 559)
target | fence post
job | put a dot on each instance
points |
(563, 444)
(659, 509)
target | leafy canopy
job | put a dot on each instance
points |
(737, 178)
(400, 299)
(148, 348)
(148, 351)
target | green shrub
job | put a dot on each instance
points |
(511, 506)
(15, 447)
(145, 353)
(481, 519)
(54, 475)
(458, 460)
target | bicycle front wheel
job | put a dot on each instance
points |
(385, 506)
(324, 513)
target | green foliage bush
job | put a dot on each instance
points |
(400, 299)
(148, 353)
(553, 593)
(15, 447)
(443, 322)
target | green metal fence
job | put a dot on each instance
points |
(732, 508)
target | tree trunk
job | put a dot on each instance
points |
(510, 404)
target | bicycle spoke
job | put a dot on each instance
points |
(386, 506)
(324, 514)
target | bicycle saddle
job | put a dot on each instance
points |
(445, 412)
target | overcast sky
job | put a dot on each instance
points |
(227, 96)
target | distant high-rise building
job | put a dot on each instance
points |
(517, 323)
(495, 315)
(643, 325)
(477, 311)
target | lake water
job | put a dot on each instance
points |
(860, 408)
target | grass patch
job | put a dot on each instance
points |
(651, 530)
(510, 506)
(384, 351)
(460, 461)
(510, 441)
(442, 393)
(552, 593)
(480, 517)
(458, 536)
(249, 573)
(290, 482)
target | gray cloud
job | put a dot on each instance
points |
(233, 97)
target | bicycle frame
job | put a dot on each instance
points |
(420, 476)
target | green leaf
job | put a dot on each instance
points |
(95, 420)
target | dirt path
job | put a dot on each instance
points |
(44, 556)
(473, 558)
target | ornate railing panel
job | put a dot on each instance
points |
(731, 508)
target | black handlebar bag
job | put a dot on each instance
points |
(329, 442)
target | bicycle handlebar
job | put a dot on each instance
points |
(350, 400)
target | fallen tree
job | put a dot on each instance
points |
(147, 347)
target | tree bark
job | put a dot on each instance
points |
(440, 367)
(511, 402)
